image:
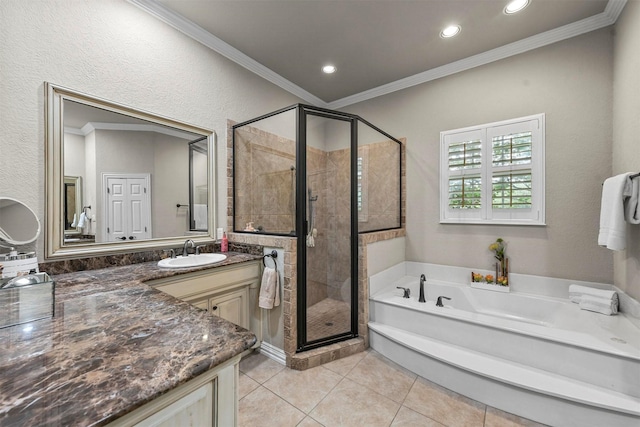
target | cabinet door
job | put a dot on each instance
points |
(195, 409)
(232, 306)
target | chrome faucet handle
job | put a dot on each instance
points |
(407, 291)
(170, 252)
(198, 248)
(439, 301)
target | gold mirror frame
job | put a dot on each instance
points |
(54, 175)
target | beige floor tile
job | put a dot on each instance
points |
(263, 408)
(497, 418)
(383, 376)
(444, 406)
(259, 367)
(350, 404)
(309, 422)
(303, 389)
(408, 418)
(346, 364)
(246, 385)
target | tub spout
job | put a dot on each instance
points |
(422, 280)
(439, 301)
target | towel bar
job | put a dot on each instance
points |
(273, 255)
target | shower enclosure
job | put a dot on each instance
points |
(322, 177)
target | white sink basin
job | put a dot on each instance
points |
(191, 260)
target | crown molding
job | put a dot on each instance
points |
(601, 20)
(129, 127)
(199, 34)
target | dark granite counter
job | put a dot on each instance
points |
(113, 345)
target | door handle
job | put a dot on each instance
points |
(131, 237)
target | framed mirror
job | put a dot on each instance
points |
(19, 225)
(132, 179)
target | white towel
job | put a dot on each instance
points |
(200, 216)
(75, 221)
(612, 225)
(269, 289)
(578, 292)
(599, 305)
(83, 219)
(632, 203)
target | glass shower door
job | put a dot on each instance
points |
(329, 231)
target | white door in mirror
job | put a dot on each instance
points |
(191, 260)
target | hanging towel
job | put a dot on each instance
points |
(75, 221)
(599, 305)
(269, 289)
(200, 216)
(612, 224)
(83, 219)
(577, 292)
(632, 203)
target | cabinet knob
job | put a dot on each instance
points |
(214, 308)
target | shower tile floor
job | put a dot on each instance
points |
(365, 389)
(327, 318)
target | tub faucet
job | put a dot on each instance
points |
(185, 248)
(439, 301)
(422, 280)
(406, 293)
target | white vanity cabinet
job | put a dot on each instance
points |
(209, 400)
(230, 292)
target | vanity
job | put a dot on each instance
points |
(121, 352)
(127, 342)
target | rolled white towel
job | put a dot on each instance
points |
(576, 292)
(599, 305)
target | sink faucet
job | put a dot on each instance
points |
(185, 248)
(422, 280)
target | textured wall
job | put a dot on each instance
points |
(626, 131)
(571, 82)
(113, 50)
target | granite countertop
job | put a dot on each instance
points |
(114, 344)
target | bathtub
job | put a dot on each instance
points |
(536, 356)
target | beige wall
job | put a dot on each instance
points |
(626, 131)
(571, 82)
(111, 49)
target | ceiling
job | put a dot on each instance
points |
(378, 46)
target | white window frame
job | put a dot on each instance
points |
(486, 214)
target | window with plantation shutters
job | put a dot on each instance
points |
(493, 173)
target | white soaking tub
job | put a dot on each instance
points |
(535, 356)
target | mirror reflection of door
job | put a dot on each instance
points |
(128, 215)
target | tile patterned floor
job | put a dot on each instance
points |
(365, 389)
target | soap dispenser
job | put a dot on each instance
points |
(224, 244)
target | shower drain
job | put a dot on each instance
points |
(620, 340)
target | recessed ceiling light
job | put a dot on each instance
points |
(515, 6)
(450, 31)
(329, 69)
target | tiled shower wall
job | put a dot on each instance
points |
(328, 177)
